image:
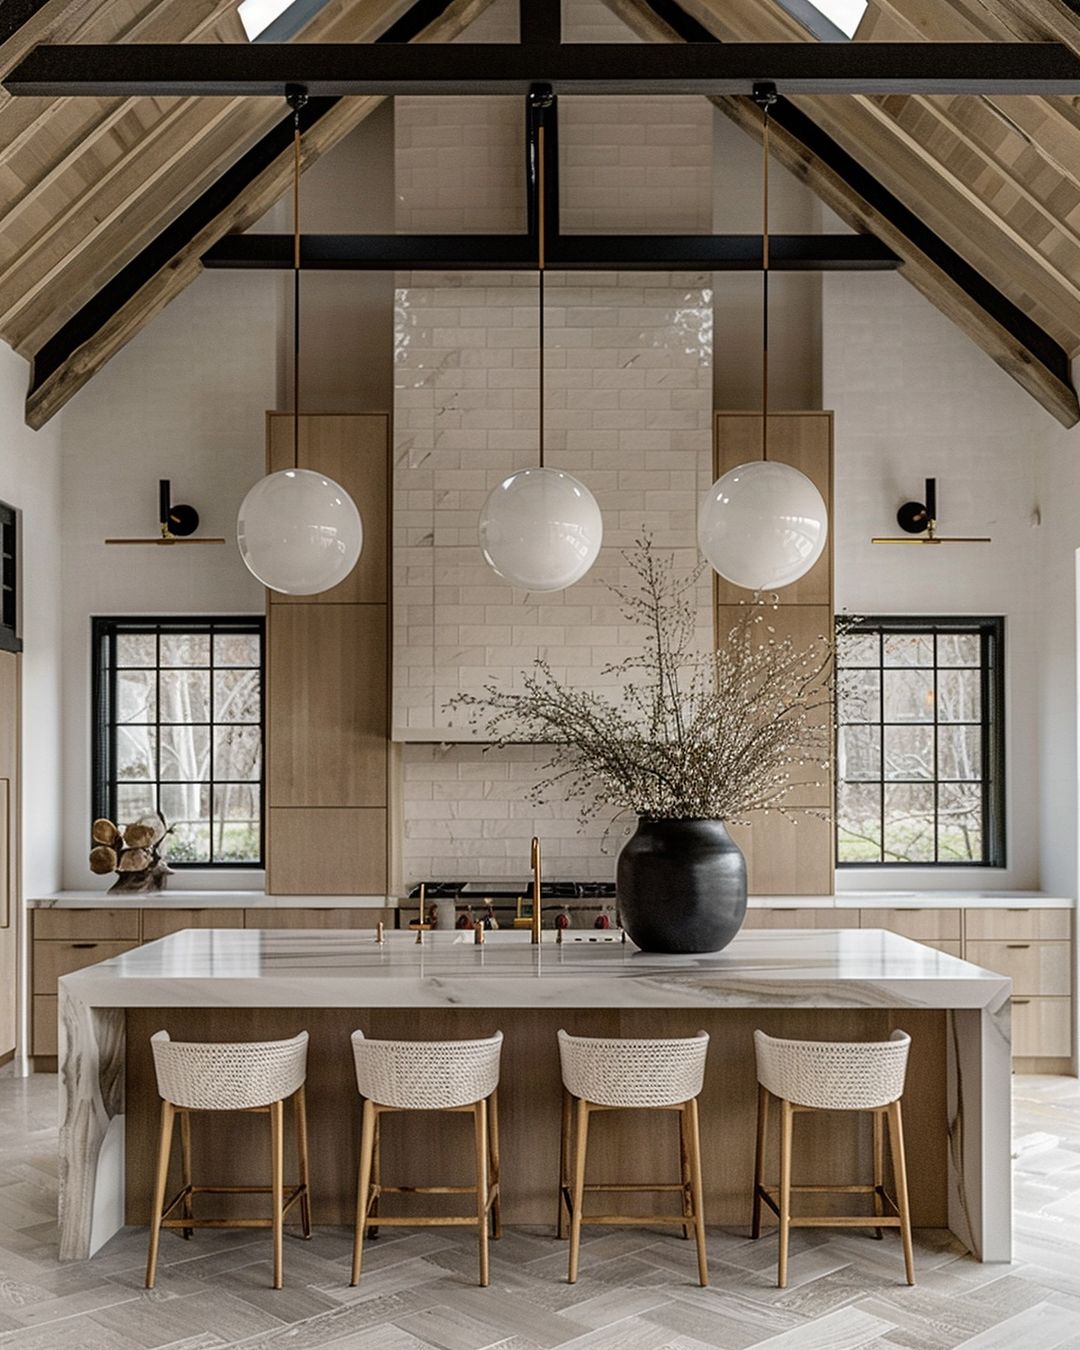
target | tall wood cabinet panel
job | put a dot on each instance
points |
(327, 705)
(327, 701)
(788, 855)
(326, 851)
(9, 849)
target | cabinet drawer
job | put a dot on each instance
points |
(317, 918)
(780, 918)
(53, 959)
(1033, 967)
(1018, 924)
(1042, 1027)
(924, 925)
(44, 1038)
(105, 924)
(158, 923)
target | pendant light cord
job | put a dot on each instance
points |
(765, 97)
(540, 256)
(296, 96)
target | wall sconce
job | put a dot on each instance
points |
(919, 522)
(178, 522)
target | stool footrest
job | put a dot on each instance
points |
(187, 1192)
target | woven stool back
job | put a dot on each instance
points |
(426, 1075)
(833, 1075)
(620, 1072)
(228, 1076)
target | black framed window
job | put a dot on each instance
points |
(920, 752)
(9, 579)
(178, 728)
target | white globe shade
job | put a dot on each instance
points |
(541, 530)
(299, 532)
(763, 525)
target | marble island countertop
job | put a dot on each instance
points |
(324, 968)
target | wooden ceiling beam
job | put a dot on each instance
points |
(171, 261)
(993, 321)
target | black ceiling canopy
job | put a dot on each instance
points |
(366, 69)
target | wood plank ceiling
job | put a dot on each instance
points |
(120, 197)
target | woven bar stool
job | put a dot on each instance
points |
(601, 1074)
(833, 1076)
(460, 1076)
(241, 1076)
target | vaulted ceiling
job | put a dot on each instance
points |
(107, 205)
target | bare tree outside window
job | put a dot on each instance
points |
(920, 742)
(179, 729)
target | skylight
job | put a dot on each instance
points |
(276, 20)
(828, 20)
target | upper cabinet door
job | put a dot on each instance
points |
(803, 440)
(353, 450)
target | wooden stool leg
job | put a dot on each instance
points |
(496, 1163)
(878, 1118)
(759, 1157)
(161, 1177)
(300, 1113)
(277, 1185)
(684, 1175)
(185, 1168)
(563, 1226)
(482, 1219)
(376, 1179)
(697, 1189)
(896, 1141)
(581, 1144)
(786, 1116)
(363, 1186)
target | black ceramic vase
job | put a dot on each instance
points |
(681, 886)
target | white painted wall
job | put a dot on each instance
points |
(913, 399)
(30, 481)
(186, 400)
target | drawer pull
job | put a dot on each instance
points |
(1018, 911)
(1018, 1001)
(1017, 946)
(789, 909)
(83, 946)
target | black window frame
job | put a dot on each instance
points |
(10, 640)
(991, 632)
(104, 632)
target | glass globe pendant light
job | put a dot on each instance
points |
(298, 531)
(763, 524)
(541, 529)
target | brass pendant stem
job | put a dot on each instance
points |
(541, 225)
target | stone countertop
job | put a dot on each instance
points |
(188, 899)
(307, 968)
(178, 899)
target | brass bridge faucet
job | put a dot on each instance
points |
(536, 915)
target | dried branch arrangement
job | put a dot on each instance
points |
(687, 734)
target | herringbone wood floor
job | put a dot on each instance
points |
(637, 1290)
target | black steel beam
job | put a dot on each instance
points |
(594, 252)
(366, 69)
(15, 13)
(539, 21)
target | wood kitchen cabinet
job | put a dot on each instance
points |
(327, 742)
(1032, 946)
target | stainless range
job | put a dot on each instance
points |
(564, 904)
